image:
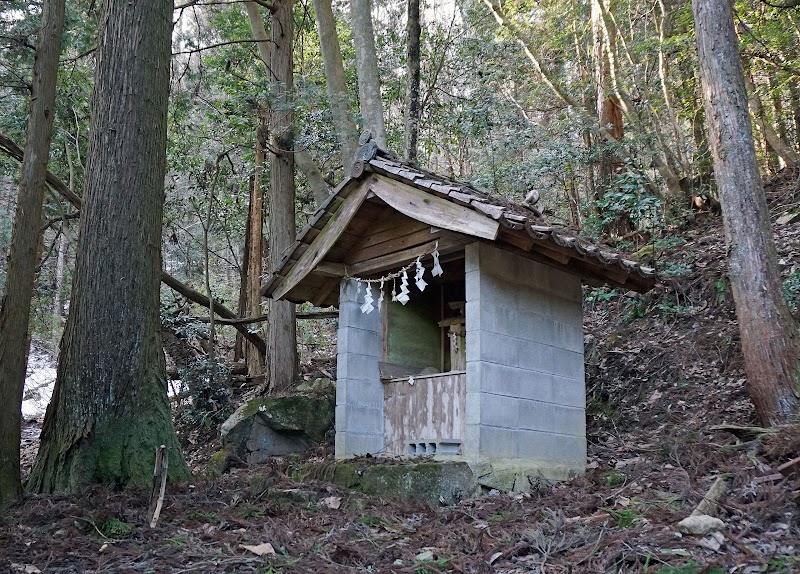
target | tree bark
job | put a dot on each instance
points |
(22, 258)
(109, 412)
(241, 309)
(346, 129)
(369, 82)
(255, 250)
(282, 338)
(770, 338)
(411, 131)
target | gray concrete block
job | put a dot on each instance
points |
(355, 366)
(350, 315)
(547, 359)
(361, 341)
(500, 379)
(567, 312)
(362, 392)
(472, 285)
(347, 291)
(547, 387)
(550, 417)
(359, 419)
(554, 447)
(499, 411)
(474, 375)
(474, 340)
(565, 285)
(498, 442)
(500, 349)
(356, 444)
(472, 257)
(471, 447)
(472, 410)
(536, 445)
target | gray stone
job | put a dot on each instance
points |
(273, 426)
(320, 385)
(700, 524)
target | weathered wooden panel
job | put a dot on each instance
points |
(430, 409)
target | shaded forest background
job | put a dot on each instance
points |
(487, 117)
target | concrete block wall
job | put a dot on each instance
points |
(526, 393)
(359, 391)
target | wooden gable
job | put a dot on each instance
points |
(371, 226)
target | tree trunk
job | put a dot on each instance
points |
(770, 338)
(109, 411)
(609, 110)
(369, 82)
(282, 340)
(411, 132)
(241, 309)
(346, 129)
(304, 160)
(255, 250)
(22, 258)
(773, 140)
(794, 96)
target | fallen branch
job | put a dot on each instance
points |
(262, 318)
(219, 309)
(157, 492)
(12, 150)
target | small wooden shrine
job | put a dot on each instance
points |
(460, 319)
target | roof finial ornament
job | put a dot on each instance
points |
(368, 149)
(365, 137)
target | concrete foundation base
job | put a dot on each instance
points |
(437, 482)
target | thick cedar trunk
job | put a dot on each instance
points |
(770, 338)
(22, 258)
(282, 340)
(609, 111)
(411, 132)
(369, 83)
(346, 129)
(109, 411)
(255, 251)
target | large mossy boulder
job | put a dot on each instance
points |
(272, 426)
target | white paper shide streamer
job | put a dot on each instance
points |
(402, 296)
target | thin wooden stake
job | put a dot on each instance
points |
(159, 485)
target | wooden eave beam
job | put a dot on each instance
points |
(323, 242)
(447, 243)
(433, 210)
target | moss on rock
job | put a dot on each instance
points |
(433, 483)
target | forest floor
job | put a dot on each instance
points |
(662, 370)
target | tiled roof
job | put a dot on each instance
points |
(511, 215)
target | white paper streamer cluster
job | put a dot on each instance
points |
(403, 296)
